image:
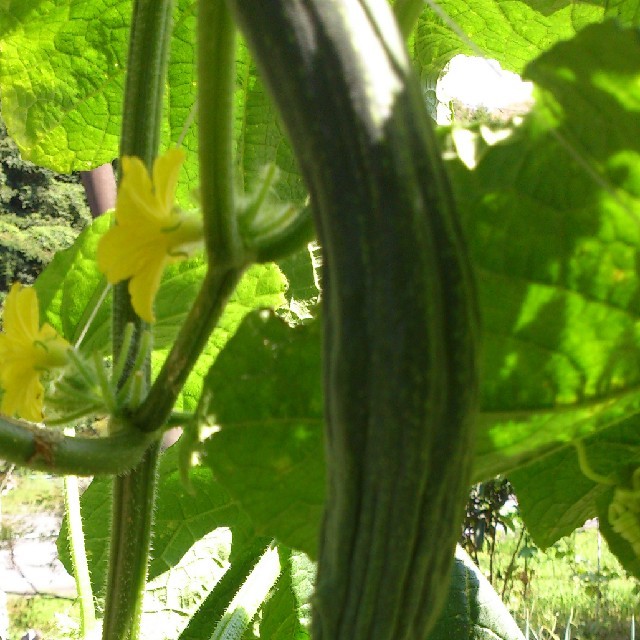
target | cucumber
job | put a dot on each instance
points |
(400, 311)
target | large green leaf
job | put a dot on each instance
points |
(554, 227)
(556, 496)
(267, 401)
(514, 32)
(62, 76)
(245, 558)
(181, 519)
(174, 596)
(620, 546)
(62, 73)
(473, 610)
(553, 221)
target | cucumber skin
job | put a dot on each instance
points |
(401, 319)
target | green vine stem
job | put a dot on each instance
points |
(130, 541)
(214, 292)
(47, 450)
(226, 260)
(407, 13)
(216, 83)
(134, 493)
(78, 553)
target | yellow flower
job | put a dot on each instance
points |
(150, 232)
(27, 351)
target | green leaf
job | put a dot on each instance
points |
(211, 610)
(268, 405)
(260, 141)
(174, 596)
(262, 286)
(473, 610)
(181, 519)
(71, 287)
(62, 75)
(555, 496)
(617, 544)
(289, 602)
(552, 216)
(518, 32)
(260, 137)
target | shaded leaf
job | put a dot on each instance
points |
(267, 401)
(617, 544)
(553, 220)
(512, 32)
(555, 496)
(473, 610)
(173, 597)
(289, 603)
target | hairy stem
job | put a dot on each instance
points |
(47, 450)
(132, 514)
(134, 493)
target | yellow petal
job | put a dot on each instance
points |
(21, 314)
(26, 350)
(124, 251)
(24, 397)
(144, 286)
(136, 199)
(166, 169)
(148, 233)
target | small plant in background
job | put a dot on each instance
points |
(485, 515)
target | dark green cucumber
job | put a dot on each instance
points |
(401, 322)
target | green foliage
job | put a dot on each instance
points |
(554, 247)
(269, 448)
(182, 519)
(519, 31)
(551, 215)
(49, 615)
(485, 617)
